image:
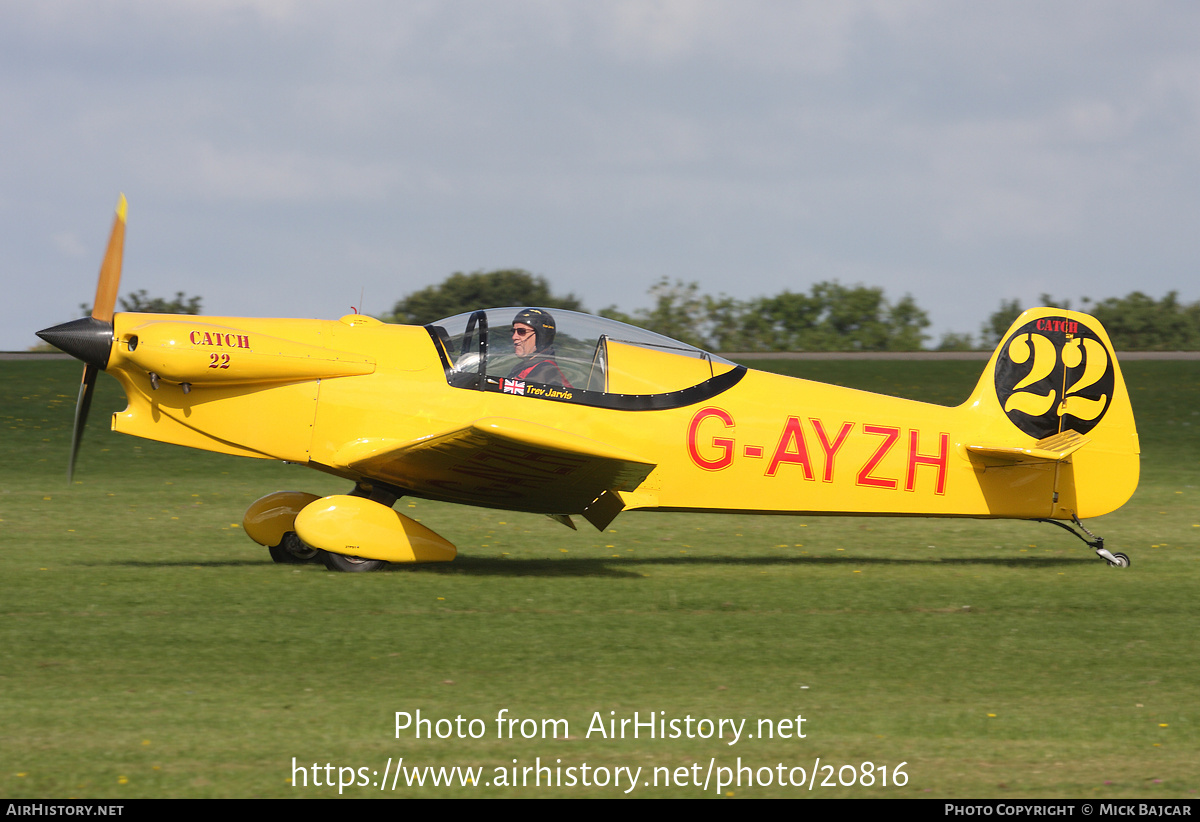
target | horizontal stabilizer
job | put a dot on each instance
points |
(1054, 448)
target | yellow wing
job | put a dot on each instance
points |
(500, 461)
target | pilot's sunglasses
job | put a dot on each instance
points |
(522, 332)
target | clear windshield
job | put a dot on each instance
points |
(582, 352)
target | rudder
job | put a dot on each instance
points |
(1053, 379)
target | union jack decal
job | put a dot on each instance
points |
(512, 386)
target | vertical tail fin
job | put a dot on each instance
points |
(1053, 390)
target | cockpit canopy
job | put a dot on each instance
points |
(597, 361)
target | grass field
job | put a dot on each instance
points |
(149, 649)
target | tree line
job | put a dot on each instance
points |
(1135, 322)
(829, 316)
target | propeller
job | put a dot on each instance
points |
(90, 338)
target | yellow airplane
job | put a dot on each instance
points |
(566, 414)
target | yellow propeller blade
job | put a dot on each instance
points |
(110, 269)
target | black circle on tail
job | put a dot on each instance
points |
(1054, 374)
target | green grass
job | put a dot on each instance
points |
(151, 649)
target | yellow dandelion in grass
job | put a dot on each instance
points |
(563, 551)
(1163, 725)
(122, 780)
(991, 716)
(145, 741)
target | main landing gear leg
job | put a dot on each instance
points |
(383, 494)
(1116, 560)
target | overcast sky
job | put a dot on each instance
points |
(283, 158)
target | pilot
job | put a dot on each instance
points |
(533, 342)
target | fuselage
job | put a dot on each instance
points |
(316, 391)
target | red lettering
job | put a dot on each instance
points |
(830, 450)
(723, 443)
(218, 339)
(792, 434)
(1065, 326)
(890, 436)
(939, 460)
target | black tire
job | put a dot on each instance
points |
(350, 565)
(291, 550)
(1122, 560)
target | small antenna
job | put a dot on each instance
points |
(360, 300)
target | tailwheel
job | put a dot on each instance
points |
(292, 550)
(1095, 543)
(350, 565)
